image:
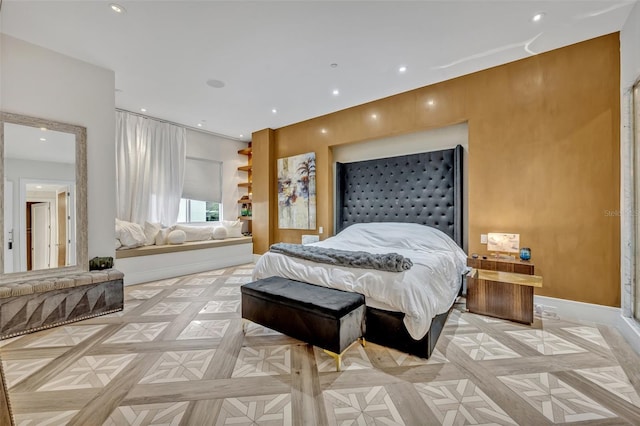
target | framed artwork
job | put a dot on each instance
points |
(505, 243)
(297, 192)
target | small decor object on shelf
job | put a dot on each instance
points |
(525, 253)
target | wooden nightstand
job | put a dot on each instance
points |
(502, 289)
(504, 265)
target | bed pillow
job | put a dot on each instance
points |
(118, 244)
(150, 232)
(196, 233)
(233, 227)
(130, 234)
(176, 236)
(219, 233)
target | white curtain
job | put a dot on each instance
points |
(150, 164)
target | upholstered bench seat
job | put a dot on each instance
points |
(37, 304)
(328, 318)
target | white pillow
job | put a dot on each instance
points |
(233, 227)
(130, 234)
(219, 233)
(176, 237)
(150, 232)
(161, 237)
(196, 233)
(118, 244)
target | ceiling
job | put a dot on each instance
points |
(278, 55)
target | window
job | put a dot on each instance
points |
(202, 181)
(198, 211)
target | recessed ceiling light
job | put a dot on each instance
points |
(199, 124)
(275, 111)
(323, 131)
(431, 102)
(242, 136)
(374, 116)
(402, 69)
(117, 8)
(143, 109)
(43, 139)
(44, 129)
(38, 186)
(216, 84)
(538, 17)
(335, 92)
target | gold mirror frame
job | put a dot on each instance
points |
(82, 262)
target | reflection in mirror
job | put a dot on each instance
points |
(39, 172)
(44, 196)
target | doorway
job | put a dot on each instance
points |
(40, 236)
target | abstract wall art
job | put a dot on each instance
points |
(297, 192)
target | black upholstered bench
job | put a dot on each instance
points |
(325, 317)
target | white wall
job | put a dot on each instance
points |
(211, 147)
(413, 143)
(46, 84)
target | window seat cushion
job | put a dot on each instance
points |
(187, 246)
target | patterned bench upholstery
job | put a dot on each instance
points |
(37, 304)
(325, 317)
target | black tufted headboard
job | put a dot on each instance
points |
(421, 188)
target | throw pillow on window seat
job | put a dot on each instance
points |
(219, 233)
(196, 233)
(130, 234)
(233, 227)
(176, 237)
(150, 232)
(161, 237)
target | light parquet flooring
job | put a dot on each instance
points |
(177, 356)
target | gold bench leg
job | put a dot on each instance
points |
(337, 357)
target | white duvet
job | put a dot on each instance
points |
(427, 289)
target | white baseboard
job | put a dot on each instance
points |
(599, 314)
(143, 269)
(630, 330)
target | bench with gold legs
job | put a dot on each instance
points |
(328, 318)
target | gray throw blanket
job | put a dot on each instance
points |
(392, 262)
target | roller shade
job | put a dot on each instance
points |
(202, 180)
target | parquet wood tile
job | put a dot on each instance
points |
(177, 355)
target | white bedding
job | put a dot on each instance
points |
(427, 289)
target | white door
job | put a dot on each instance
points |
(40, 236)
(8, 226)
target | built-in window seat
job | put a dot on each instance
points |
(35, 304)
(154, 262)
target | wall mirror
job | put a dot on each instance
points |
(44, 197)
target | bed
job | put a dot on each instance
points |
(411, 205)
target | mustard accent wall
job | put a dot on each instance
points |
(544, 150)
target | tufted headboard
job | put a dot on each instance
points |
(423, 188)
